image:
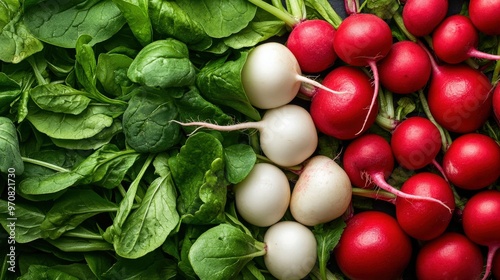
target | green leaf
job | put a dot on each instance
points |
(10, 161)
(27, 220)
(147, 228)
(153, 266)
(327, 237)
(136, 14)
(93, 143)
(384, 9)
(220, 83)
(99, 263)
(239, 161)
(71, 244)
(111, 72)
(223, 251)
(59, 98)
(60, 272)
(254, 33)
(163, 63)
(62, 22)
(9, 91)
(220, 18)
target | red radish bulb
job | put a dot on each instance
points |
(484, 15)
(373, 246)
(421, 17)
(311, 42)
(449, 256)
(405, 69)
(341, 115)
(425, 220)
(481, 222)
(472, 161)
(456, 39)
(368, 161)
(415, 142)
(363, 40)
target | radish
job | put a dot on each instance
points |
(472, 161)
(341, 115)
(405, 69)
(416, 142)
(262, 198)
(421, 219)
(287, 134)
(456, 39)
(272, 77)
(459, 97)
(484, 15)
(291, 250)
(481, 222)
(368, 161)
(363, 40)
(421, 17)
(322, 193)
(373, 246)
(496, 103)
(449, 256)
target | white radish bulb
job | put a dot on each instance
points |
(322, 192)
(262, 198)
(291, 250)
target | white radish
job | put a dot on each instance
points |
(287, 134)
(322, 193)
(262, 198)
(291, 250)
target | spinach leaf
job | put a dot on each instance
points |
(95, 142)
(27, 223)
(62, 22)
(327, 237)
(59, 98)
(220, 83)
(220, 18)
(198, 173)
(72, 244)
(153, 266)
(163, 63)
(60, 272)
(239, 161)
(147, 122)
(16, 41)
(136, 14)
(99, 263)
(111, 72)
(9, 91)
(9, 148)
(223, 251)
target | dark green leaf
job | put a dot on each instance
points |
(111, 72)
(59, 272)
(327, 237)
(25, 218)
(136, 14)
(59, 98)
(70, 244)
(10, 161)
(153, 266)
(95, 142)
(239, 161)
(9, 91)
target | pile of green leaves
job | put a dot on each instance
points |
(107, 186)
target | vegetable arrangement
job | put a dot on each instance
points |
(249, 139)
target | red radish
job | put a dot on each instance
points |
(496, 103)
(484, 15)
(287, 134)
(363, 40)
(416, 142)
(459, 97)
(456, 39)
(341, 115)
(421, 17)
(481, 222)
(421, 219)
(368, 161)
(405, 69)
(311, 42)
(373, 246)
(449, 256)
(472, 161)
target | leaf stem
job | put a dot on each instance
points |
(280, 14)
(45, 164)
(445, 136)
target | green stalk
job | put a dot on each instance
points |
(445, 136)
(45, 164)
(297, 8)
(280, 14)
(496, 70)
(325, 9)
(375, 194)
(399, 22)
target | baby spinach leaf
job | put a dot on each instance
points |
(136, 14)
(220, 18)
(93, 143)
(327, 237)
(239, 161)
(62, 22)
(72, 244)
(9, 90)
(59, 98)
(220, 83)
(99, 263)
(222, 251)
(163, 63)
(111, 72)
(198, 173)
(147, 122)
(61, 272)
(153, 266)
(147, 228)
(9, 148)
(27, 223)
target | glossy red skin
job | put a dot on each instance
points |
(450, 256)
(496, 103)
(459, 97)
(311, 42)
(424, 220)
(361, 38)
(342, 115)
(484, 15)
(433, 11)
(368, 154)
(453, 38)
(415, 142)
(405, 69)
(472, 161)
(481, 218)
(373, 246)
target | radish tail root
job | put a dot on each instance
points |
(479, 54)
(239, 126)
(440, 169)
(489, 260)
(317, 84)
(373, 67)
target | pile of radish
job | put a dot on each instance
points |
(421, 198)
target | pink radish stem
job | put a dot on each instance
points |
(373, 67)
